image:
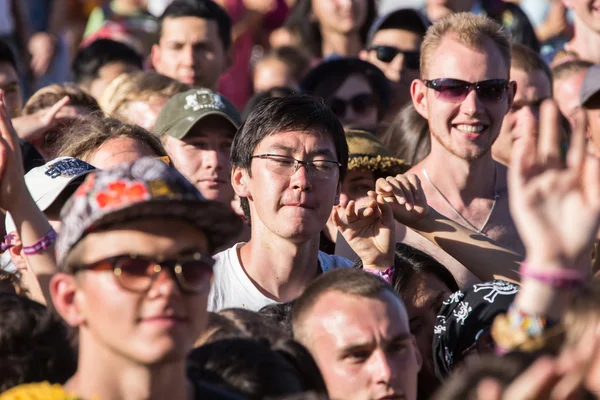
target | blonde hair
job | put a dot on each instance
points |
(137, 86)
(469, 29)
(47, 96)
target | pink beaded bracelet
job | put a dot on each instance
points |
(385, 275)
(42, 244)
(558, 278)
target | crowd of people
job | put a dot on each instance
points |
(351, 199)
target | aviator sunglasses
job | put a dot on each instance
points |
(455, 90)
(387, 53)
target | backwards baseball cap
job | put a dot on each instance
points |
(184, 110)
(405, 18)
(590, 86)
(365, 151)
(47, 182)
(148, 188)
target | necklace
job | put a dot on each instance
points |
(496, 196)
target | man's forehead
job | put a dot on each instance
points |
(454, 57)
(348, 319)
(312, 140)
(177, 28)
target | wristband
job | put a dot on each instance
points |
(385, 275)
(42, 244)
(558, 278)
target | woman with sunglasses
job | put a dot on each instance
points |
(357, 92)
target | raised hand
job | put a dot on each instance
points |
(34, 127)
(406, 197)
(369, 231)
(12, 181)
(556, 207)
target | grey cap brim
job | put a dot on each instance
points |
(185, 125)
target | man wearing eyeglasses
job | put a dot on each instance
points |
(464, 93)
(393, 45)
(135, 273)
(287, 164)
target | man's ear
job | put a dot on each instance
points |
(229, 58)
(239, 181)
(418, 93)
(67, 298)
(155, 55)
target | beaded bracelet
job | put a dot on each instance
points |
(558, 278)
(385, 275)
(42, 244)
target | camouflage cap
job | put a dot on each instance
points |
(184, 110)
(148, 188)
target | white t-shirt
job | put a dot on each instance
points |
(232, 288)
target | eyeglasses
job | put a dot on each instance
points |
(387, 53)
(137, 273)
(287, 166)
(455, 90)
(361, 103)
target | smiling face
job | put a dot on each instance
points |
(293, 207)
(202, 156)
(363, 347)
(469, 128)
(148, 328)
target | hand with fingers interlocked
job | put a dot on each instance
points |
(406, 197)
(556, 207)
(369, 231)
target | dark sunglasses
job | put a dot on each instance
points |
(361, 103)
(455, 90)
(135, 273)
(387, 53)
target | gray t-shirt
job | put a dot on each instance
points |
(232, 288)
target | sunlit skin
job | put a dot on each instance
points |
(202, 156)
(156, 327)
(118, 151)
(191, 51)
(532, 89)
(144, 113)
(567, 92)
(340, 16)
(363, 346)
(293, 207)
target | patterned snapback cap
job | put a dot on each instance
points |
(148, 188)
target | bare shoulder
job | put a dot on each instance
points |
(416, 169)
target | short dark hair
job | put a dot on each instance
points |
(34, 344)
(281, 315)
(348, 281)
(410, 262)
(204, 9)
(89, 60)
(248, 367)
(286, 114)
(7, 55)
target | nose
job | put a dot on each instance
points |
(346, 4)
(381, 368)
(301, 180)
(213, 159)
(187, 56)
(164, 285)
(471, 105)
(396, 67)
(350, 115)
